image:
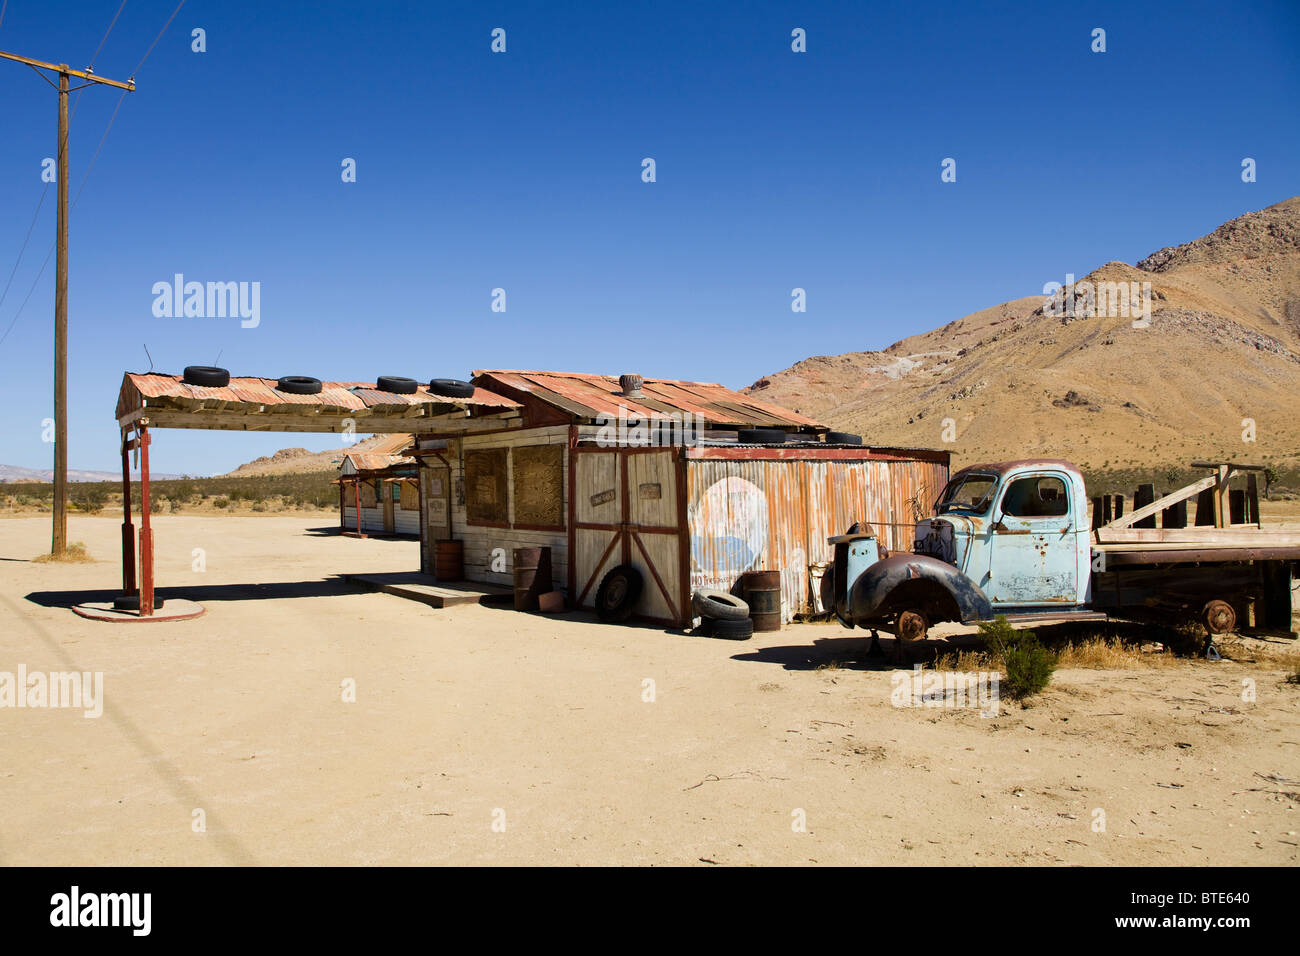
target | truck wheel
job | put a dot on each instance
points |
(913, 625)
(1219, 617)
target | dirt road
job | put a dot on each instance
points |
(480, 735)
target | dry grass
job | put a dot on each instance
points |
(75, 553)
(1265, 654)
(1086, 651)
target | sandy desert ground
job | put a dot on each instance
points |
(474, 715)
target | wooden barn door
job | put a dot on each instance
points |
(627, 510)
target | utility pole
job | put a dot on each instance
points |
(59, 541)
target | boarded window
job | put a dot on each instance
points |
(485, 485)
(539, 485)
(368, 494)
(410, 496)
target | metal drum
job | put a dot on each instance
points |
(532, 576)
(449, 560)
(763, 595)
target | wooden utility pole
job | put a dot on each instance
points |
(59, 541)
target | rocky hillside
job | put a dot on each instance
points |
(1073, 377)
(299, 461)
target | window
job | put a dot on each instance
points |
(1036, 497)
(368, 498)
(539, 485)
(485, 486)
(971, 492)
(410, 500)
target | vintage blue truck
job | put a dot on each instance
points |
(1015, 538)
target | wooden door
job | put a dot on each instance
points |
(627, 510)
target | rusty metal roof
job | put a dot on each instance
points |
(590, 396)
(375, 461)
(255, 396)
(1002, 467)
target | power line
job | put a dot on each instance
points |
(106, 33)
(41, 271)
(158, 37)
(17, 262)
(98, 149)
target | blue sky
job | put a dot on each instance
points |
(522, 171)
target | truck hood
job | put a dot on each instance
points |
(947, 537)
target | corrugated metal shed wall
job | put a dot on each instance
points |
(777, 515)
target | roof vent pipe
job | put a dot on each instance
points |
(631, 385)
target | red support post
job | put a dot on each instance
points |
(146, 532)
(128, 530)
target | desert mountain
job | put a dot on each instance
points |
(1073, 377)
(298, 461)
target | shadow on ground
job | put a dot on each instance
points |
(327, 587)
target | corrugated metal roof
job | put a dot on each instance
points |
(589, 396)
(372, 461)
(245, 392)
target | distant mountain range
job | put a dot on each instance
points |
(12, 473)
(1215, 374)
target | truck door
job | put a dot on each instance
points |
(1033, 559)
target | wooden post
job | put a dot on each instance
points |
(59, 542)
(146, 532)
(1221, 498)
(59, 533)
(1145, 495)
(128, 531)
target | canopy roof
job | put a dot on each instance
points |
(255, 404)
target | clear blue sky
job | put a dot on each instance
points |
(522, 171)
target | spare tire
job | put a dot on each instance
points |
(618, 592)
(298, 385)
(734, 630)
(206, 376)
(760, 436)
(396, 384)
(843, 438)
(451, 388)
(719, 605)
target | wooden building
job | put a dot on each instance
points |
(608, 470)
(378, 489)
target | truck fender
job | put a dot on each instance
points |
(869, 597)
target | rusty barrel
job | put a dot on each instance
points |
(762, 591)
(532, 576)
(449, 560)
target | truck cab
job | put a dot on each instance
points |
(1003, 538)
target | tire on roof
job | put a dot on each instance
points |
(299, 385)
(206, 376)
(396, 384)
(451, 388)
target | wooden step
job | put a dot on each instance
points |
(427, 589)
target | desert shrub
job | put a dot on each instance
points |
(221, 503)
(1027, 666)
(174, 504)
(155, 506)
(259, 505)
(75, 553)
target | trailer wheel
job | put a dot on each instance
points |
(1219, 617)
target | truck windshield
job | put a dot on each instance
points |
(973, 492)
